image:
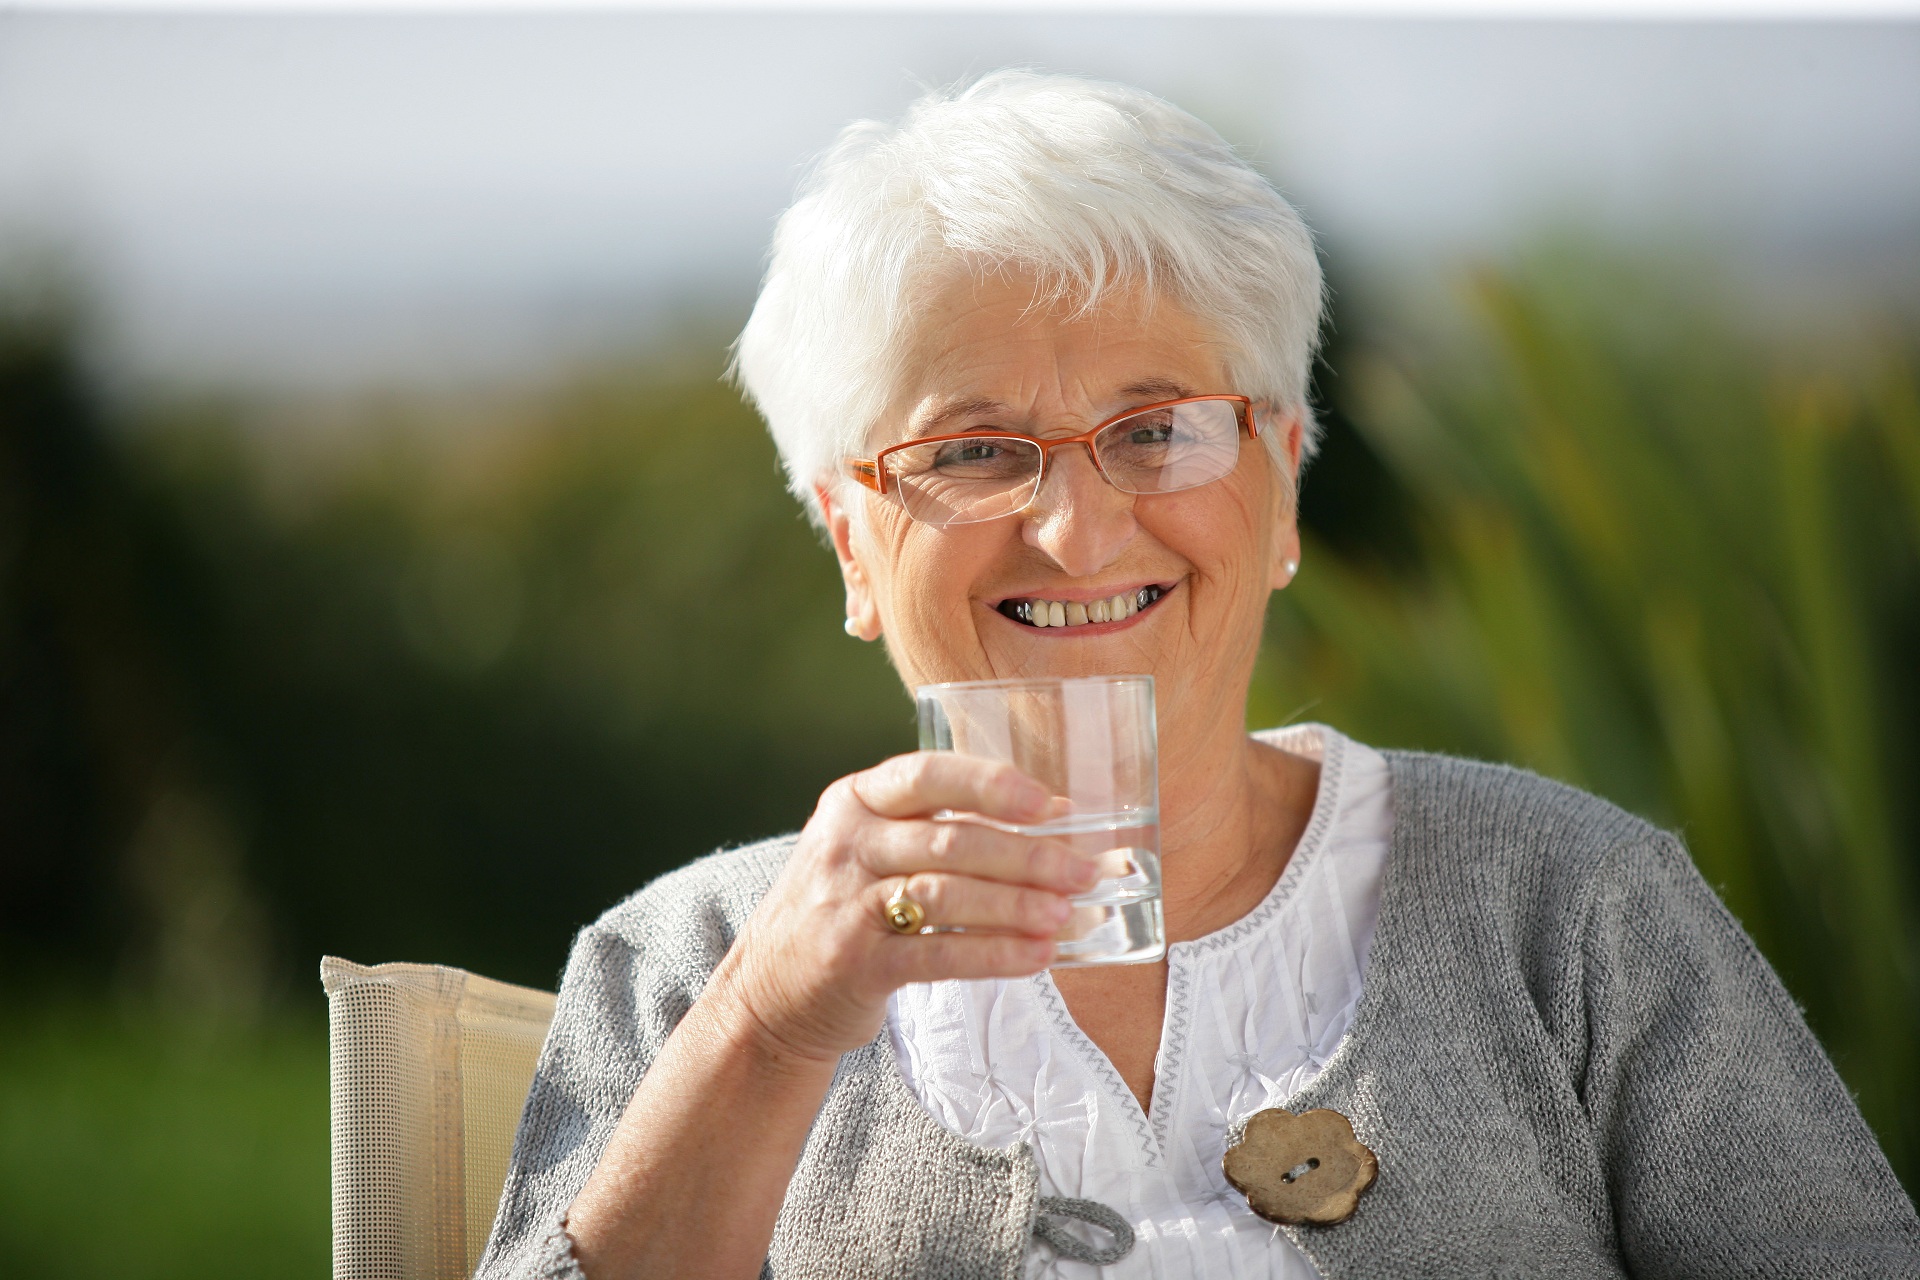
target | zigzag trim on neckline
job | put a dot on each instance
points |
(1320, 824)
(1100, 1064)
(1326, 811)
(1173, 1038)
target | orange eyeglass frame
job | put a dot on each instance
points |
(872, 472)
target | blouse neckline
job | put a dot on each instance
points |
(1150, 1124)
(1307, 851)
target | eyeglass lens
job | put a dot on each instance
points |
(978, 478)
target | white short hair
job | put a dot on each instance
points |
(1084, 184)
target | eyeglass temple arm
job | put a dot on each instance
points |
(867, 472)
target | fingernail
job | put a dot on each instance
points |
(1059, 910)
(1084, 872)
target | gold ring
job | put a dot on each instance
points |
(903, 914)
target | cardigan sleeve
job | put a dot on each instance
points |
(1732, 1147)
(631, 977)
(613, 1015)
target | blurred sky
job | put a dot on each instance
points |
(318, 201)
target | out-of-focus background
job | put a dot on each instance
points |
(386, 571)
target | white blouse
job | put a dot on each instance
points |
(1253, 1012)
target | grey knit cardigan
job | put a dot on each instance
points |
(1567, 1056)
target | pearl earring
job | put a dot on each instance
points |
(1293, 567)
(853, 628)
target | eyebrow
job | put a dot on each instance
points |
(954, 410)
(1156, 389)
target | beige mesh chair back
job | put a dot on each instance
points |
(430, 1067)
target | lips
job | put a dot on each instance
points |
(1039, 612)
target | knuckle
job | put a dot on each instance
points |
(920, 768)
(929, 890)
(832, 844)
(830, 799)
(1002, 778)
(873, 785)
(842, 796)
(945, 846)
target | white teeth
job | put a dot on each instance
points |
(1037, 613)
(1076, 614)
(1056, 614)
(1117, 607)
(1100, 611)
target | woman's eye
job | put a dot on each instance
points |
(1150, 433)
(963, 452)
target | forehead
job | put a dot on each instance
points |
(988, 345)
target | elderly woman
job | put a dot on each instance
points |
(1531, 1040)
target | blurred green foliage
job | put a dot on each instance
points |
(475, 680)
(442, 678)
(1675, 565)
(442, 683)
(136, 1147)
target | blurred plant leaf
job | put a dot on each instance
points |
(1653, 563)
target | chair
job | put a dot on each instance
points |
(429, 1069)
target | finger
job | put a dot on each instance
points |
(937, 957)
(968, 848)
(913, 786)
(963, 902)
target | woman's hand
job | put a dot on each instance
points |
(692, 1180)
(817, 961)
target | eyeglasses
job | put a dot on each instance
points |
(964, 479)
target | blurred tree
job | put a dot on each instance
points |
(485, 669)
(1659, 561)
(1351, 501)
(115, 851)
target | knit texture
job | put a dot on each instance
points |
(1568, 1058)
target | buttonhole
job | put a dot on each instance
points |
(1300, 1170)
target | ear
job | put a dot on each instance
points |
(862, 610)
(1286, 528)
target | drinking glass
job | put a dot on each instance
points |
(1090, 742)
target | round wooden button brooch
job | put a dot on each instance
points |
(1306, 1168)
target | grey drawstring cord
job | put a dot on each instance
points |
(1051, 1214)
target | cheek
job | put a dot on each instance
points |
(1225, 533)
(879, 537)
(923, 576)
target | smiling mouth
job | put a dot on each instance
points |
(1035, 612)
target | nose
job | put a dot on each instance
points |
(1077, 519)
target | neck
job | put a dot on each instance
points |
(1231, 812)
